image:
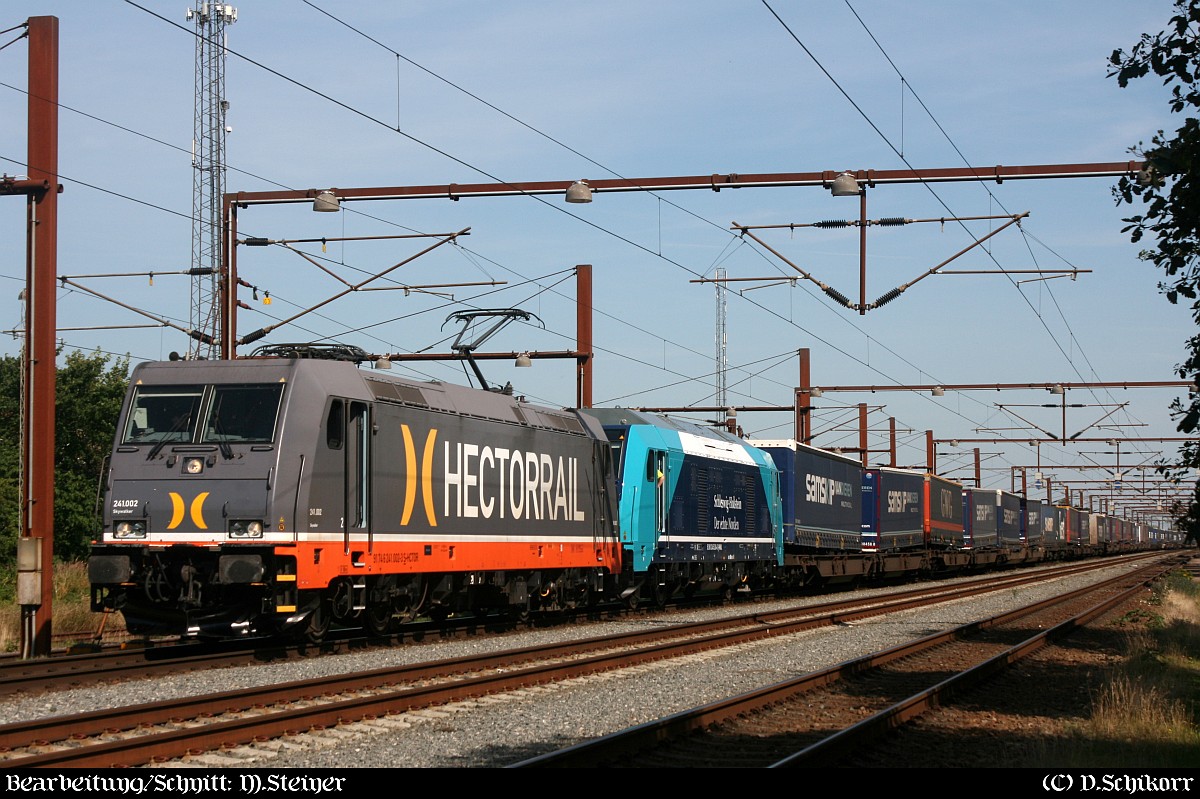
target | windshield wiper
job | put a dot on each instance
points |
(180, 423)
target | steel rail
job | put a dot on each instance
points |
(72, 670)
(901, 713)
(643, 737)
(61, 735)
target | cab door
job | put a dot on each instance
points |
(339, 502)
(356, 471)
(656, 473)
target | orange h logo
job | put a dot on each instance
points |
(411, 472)
(197, 510)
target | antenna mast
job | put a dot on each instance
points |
(208, 177)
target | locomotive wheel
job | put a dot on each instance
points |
(414, 608)
(519, 613)
(380, 611)
(342, 603)
(378, 620)
(318, 623)
(660, 590)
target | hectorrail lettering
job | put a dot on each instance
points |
(496, 482)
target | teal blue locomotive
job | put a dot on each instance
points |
(699, 509)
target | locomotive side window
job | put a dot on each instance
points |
(656, 471)
(161, 414)
(243, 413)
(358, 452)
(335, 425)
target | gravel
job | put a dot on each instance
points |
(506, 728)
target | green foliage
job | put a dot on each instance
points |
(90, 389)
(1177, 582)
(1169, 192)
(1141, 616)
(1181, 582)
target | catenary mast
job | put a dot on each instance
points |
(722, 384)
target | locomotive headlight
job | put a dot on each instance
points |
(130, 530)
(245, 528)
(193, 466)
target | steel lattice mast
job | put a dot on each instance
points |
(208, 180)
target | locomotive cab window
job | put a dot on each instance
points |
(656, 472)
(243, 414)
(616, 443)
(203, 414)
(163, 414)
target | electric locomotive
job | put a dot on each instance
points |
(699, 508)
(262, 495)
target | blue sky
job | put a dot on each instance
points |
(640, 90)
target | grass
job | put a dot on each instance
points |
(73, 619)
(1147, 712)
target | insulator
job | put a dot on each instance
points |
(256, 241)
(255, 336)
(832, 223)
(201, 336)
(202, 270)
(892, 220)
(837, 296)
(888, 297)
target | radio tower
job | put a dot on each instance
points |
(722, 400)
(208, 176)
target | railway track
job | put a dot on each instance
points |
(132, 662)
(164, 730)
(826, 717)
